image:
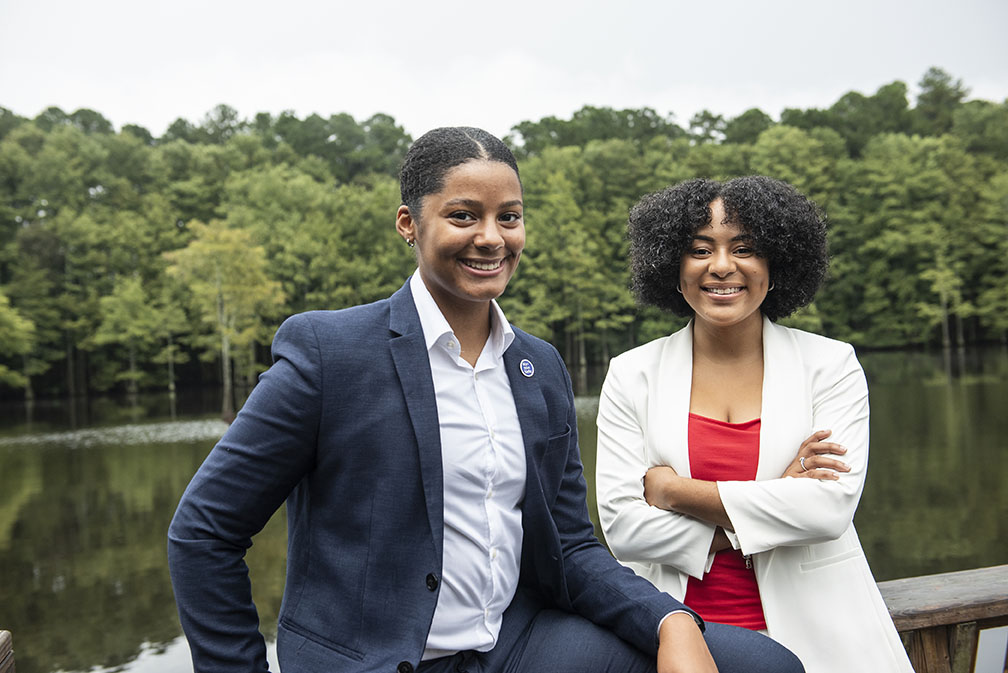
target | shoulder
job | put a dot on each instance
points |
(648, 355)
(825, 361)
(531, 342)
(809, 343)
(354, 316)
(329, 329)
(541, 349)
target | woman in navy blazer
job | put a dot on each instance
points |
(344, 426)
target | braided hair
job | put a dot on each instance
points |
(438, 151)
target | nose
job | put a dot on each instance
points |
(488, 235)
(721, 263)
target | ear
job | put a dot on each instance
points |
(405, 224)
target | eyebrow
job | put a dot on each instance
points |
(740, 237)
(472, 203)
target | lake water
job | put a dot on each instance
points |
(86, 494)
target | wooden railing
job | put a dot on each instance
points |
(940, 617)
(6, 652)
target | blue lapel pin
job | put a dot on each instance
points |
(526, 368)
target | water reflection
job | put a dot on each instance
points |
(84, 508)
(83, 515)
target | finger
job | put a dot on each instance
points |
(821, 463)
(819, 448)
(817, 436)
(820, 474)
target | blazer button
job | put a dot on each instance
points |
(404, 667)
(432, 583)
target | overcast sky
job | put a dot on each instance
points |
(433, 63)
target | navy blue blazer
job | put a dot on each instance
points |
(344, 426)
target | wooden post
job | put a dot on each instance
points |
(939, 617)
(6, 652)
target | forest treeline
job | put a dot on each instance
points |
(129, 261)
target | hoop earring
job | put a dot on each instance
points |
(410, 242)
(772, 284)
(679, 289)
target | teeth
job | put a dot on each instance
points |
(724, 290)
(485, 266)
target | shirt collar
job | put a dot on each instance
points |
(435, 326)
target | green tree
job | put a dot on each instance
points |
(795, 156)
(181, 129)
(8, 122)
(16, 340)
(747, 127)
(983, 127)
(591, 123)
(992, 243)
(707, 127)
(138, 132)
(221, 124)
(127, 320)
(553, 298)
(230, 289)
(90, 121)
(908, 204)
(51, 118)
(858, 118)
(940, 96)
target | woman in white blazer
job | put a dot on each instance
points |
(737, 256)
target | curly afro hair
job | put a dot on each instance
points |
(784, 227)
(438, 151)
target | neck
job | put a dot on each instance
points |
(471, 328)
(735, 343)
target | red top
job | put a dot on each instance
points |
(722, 451)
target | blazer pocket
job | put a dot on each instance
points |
(320, 641)
(560, 441)
(807, 566)
(552, 463)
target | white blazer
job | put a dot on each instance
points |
(819, 596)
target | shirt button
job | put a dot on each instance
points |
(493, 554)
(404, 667)
(432, 582)
(450, 344)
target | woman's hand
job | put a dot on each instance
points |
(682, 648)
(813, 460)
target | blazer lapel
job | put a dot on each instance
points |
(409, 354)
(786, 412)
(668, 412)
(530, 405)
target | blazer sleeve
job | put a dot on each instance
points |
(634, 530)
(245, 478)
(599, 588)
(789, 511)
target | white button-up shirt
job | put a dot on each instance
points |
(483, 458)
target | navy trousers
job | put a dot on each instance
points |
(560, 642)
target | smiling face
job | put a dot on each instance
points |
(721, 277)
(469, 236)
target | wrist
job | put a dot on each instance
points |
(673, 624)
